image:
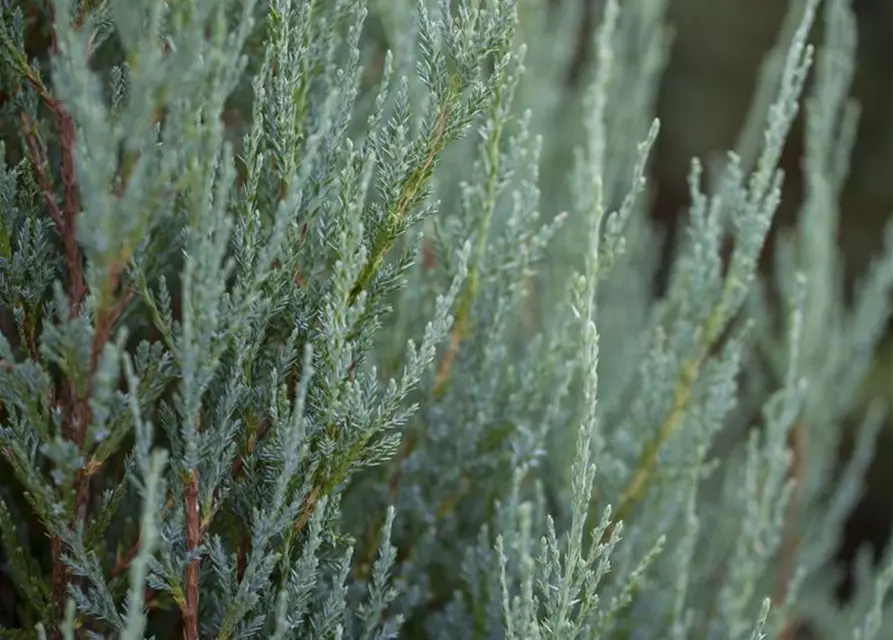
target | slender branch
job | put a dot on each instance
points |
(644, 470)
(75, 409)
(77, 415)
(641, 477)
(791, 543)
(123, 563)
(190, 607)
(63, 216)
(307, 510)
(414, 184)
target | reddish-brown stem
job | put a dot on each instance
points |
(64, 217)
(239, 462)
(307, 511)
(193, 539)
(791, 542)
(429, 255)
(76, 412)
(242, 559)
(394, 483)
(74, 406)
(443, 373)
(81, 18)
(60, 577)
(123, 563)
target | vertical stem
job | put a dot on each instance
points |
(193, 539)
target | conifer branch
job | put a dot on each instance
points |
(413, 185)
(190, 606)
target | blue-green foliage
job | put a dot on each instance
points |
(334, 318)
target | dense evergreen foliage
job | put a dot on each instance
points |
(336, 318)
